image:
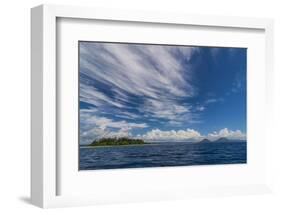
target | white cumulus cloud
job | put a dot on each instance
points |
(237, 134)
(171, 135)
(93, 127)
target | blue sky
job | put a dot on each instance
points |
(161, 92)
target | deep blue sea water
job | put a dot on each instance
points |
(162, 154)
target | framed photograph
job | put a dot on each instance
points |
(129, 106)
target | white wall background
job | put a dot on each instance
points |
(15, 99)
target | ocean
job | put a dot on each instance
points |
(162, 155)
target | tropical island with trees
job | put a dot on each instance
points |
(117, 142)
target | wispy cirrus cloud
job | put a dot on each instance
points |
(213, 100)
(117, 76)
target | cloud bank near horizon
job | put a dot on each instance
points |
(96, 127)
(191, 135)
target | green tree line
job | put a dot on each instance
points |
(116, 141)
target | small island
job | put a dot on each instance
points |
(117, 142)
(205, 140)
(220, 140)
(223, 139)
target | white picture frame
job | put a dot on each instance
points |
(44, 153)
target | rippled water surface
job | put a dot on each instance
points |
(162, 154)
